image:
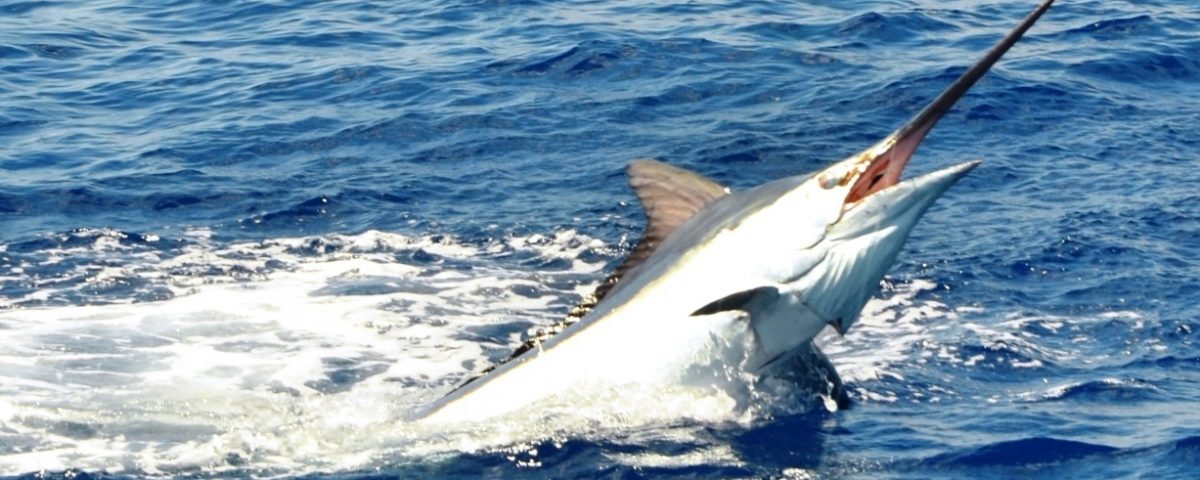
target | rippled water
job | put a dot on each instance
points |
(250, 238)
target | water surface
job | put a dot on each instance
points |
(242, 238)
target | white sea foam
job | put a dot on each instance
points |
(886, 332)
(309, 354)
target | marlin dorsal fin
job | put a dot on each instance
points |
(669, 195)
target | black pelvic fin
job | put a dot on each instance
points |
(809, 368)
(743, 300)
(820, 368)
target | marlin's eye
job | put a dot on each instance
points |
(828, 180)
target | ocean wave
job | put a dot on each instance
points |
(1118, 28)
(1025, 452)
(1103, 390)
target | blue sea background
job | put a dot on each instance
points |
(1075, 247)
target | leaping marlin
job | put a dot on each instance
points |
(774, 264)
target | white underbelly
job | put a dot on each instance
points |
(630, 347)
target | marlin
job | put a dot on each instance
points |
(773, 265)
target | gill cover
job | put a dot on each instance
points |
(865, 242)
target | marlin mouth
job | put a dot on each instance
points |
(882, 164)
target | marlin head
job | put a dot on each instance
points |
(879, 210)
(851, 220)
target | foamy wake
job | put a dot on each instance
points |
(309, 354)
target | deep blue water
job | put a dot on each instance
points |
(1062, 273)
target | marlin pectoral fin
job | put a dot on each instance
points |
(745, 301)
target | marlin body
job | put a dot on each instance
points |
(774, 265)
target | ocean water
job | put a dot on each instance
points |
(251, 238)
